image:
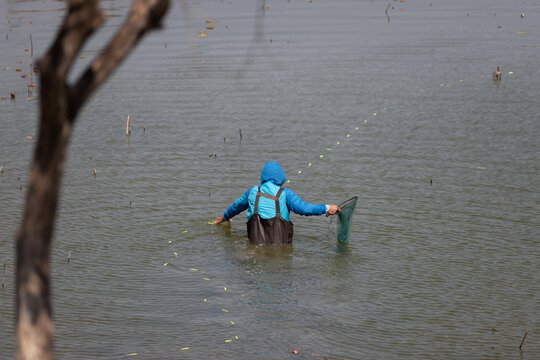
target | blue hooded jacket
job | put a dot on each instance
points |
(272, 178)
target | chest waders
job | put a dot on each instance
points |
(269, 231)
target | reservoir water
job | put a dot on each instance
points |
(398, 108)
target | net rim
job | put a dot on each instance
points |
(348, 202)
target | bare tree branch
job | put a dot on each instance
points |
(59, 105)
(144, 15)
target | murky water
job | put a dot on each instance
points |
(444, 255)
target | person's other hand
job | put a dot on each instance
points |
(219, 220)
(334, 209)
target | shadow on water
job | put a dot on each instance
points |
(258, 41)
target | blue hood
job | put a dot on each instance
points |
(274, 173)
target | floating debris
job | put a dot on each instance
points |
(203, 34)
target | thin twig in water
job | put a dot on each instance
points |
(522, 341)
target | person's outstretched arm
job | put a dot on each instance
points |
(299, 206)
(236, 208)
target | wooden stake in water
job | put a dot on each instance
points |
(69, 256)
(522, 341)
(127, 126)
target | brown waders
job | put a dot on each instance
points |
(269, 231)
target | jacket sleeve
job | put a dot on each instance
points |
(299, 206)
(238, 206)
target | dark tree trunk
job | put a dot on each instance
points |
(59, 106)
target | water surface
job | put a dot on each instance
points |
(443, 260)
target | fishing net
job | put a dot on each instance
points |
(344, 219)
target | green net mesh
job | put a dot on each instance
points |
(344, 218)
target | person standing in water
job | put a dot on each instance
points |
(268, 207)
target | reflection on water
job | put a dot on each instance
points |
(443, 255)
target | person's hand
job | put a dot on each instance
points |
(219, 220)
(334, 209)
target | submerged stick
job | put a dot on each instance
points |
(31, 56)
(240, 131)
(69, 256)
(127, 126)
(522, 341)
(3, 272)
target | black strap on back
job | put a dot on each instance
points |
(275, 198)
